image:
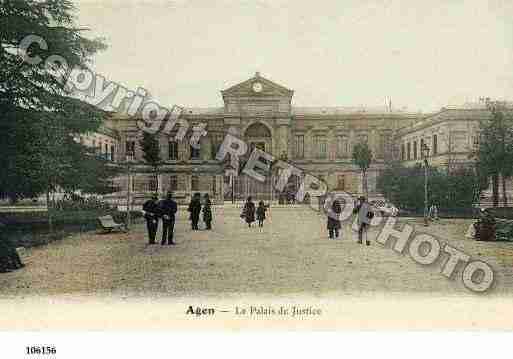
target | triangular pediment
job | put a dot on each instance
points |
(249, 88)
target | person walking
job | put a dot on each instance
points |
(151, 214)
(365, 215)
(207, 212)
(260, 213)
(333, 210)
(248, 212)
(195, 209)
(168, 208)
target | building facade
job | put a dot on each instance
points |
(318, 140)
(259, 111)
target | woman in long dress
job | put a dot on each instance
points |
(249, 212)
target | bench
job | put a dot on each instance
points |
(108, 224)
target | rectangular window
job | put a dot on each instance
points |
(217, 139)
(130, 150)
(341, 182)
(435, 144)
(381, 146)
(421, 148)
(152, 185)
(408, 151)
(475, 142)
(321, 146)
(195, 153)
(173, 183)
(135, 183)
(363, 138)
(194, 183)
(342, 146)
(214, 185)
(173, 150)
(300, 146)
(402, 152)
(112, 152)
(414, 150)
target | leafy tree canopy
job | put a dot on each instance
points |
(40, 117)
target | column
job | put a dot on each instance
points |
(121, 153)
(164, 147)
(352, 142)
(283, 141)
(206, 148)
(309, 144)
(331, 140)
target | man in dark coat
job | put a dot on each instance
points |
(168, 208)
(151, 214)
(207, 212)
(195, 209)
(364, 214)
(333, 210)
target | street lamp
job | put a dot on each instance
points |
(425, 153)
(477, 197)
(128, 160)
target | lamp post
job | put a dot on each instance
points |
(477, 196)
(128, 162)
(425, 153)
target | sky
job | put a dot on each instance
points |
(423, 55)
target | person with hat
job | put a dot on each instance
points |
(365, 215)
(333, 209)
(195, 210)
(151, 214)
(168, 209)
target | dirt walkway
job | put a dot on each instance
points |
(291, 254)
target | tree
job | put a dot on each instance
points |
(362, 157)
(151, 153)
(400, 185)
(495, 152)
(40, 114)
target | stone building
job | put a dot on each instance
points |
(318, 140)
(451, 136)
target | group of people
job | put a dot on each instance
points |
(362, 210)
(249, 210)
(165, 210)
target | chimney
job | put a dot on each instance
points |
(257, 74)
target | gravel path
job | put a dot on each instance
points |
(291, 254)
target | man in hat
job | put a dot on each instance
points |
(151, 214)
(365, 215)
(168, 208)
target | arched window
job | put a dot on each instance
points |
(257, 130)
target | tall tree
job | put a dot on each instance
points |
(362, 157)
(151, 153)
(39, 112)
(495, 152)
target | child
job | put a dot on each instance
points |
(261, 213)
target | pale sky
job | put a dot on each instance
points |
(421, 54)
